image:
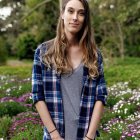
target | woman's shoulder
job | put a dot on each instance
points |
(43, 47)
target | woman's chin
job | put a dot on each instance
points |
(74, 31)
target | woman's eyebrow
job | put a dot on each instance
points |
(81, 10)
(77, 10)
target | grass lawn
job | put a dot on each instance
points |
(122, 71)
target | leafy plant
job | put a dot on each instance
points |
(126, 110)
(112, 100)
(11, 108)
(5, 123)
(34, 132)
(26, 125)
(25, 46)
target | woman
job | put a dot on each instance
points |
(68, 86)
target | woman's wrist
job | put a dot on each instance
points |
(91, 135)
(55, 134)
(52, 131)
(89, 138)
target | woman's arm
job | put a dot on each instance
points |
(48, 123)
(95, 119)
(38, 96)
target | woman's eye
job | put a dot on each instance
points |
(82, 13)
(70, 11)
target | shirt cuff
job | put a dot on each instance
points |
(102, 98)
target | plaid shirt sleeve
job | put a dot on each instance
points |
(101, 90)
(37, 82)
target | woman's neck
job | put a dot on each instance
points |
(72, 39)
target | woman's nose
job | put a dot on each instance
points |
(75, 16)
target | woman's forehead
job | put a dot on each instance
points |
(75, 4)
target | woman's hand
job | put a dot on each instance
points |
(85, 138)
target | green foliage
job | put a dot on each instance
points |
(25, 88)
(20, 83)
(107, 116)
(116, 26)
(133, 50)
(126, 96)
(111, 100)
(25, 46)
(16, 90)
(116, 130)
(126, 110)
(3, 51)
(32, 131)
(26, 125)
(5, 123)
(11, 108)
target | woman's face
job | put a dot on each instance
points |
(73, 16)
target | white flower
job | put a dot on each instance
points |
(20, 87)
(119, 111)
(138, 103)
(125, 83)
(8, 90)
(121, 105)
(125, 110)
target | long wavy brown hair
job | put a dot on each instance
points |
(56, 55)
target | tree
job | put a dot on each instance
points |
(109, 19)
(3, 52)
(37, 18)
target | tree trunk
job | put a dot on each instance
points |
(60, 3)
(121, 40)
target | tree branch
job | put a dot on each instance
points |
(33, 9)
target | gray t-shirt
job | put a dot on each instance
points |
(71, 86)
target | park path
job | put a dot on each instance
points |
(15, 63)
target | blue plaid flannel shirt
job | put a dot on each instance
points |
(46, 87)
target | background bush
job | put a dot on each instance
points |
(5, 123)
(25, 46)
(11, 108)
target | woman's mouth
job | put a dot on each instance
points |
(74, 24)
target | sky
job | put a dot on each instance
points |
(4, 12)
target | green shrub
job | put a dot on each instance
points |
(18, 90)
(11, 108)
(25, 46)
(126, 110)
(113, 129)
(127, 96)
(27, 125)
(5, 122)
(107, 116)
(135, 52)
(112, 100)
(34, 132)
